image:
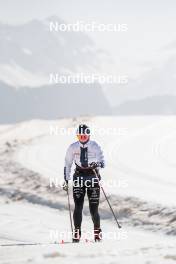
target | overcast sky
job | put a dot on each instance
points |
(151, 27)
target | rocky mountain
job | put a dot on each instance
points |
(154, 105)
(51, 102)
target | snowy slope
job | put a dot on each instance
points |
(140, 155)
(28, 61)
(35, 224)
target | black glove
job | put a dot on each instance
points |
(95, 165)
(65, 186)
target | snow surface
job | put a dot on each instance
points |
(142, 156)
(29, 224)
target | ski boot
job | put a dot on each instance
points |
(76, 235)
(97, 234)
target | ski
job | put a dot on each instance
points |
(45, 244)
(26, 244)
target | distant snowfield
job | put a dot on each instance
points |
(140, 158)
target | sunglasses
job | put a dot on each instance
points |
(83, 138)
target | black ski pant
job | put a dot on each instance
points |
(81, 185)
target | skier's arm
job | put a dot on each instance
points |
(100, 156)
(68, 163)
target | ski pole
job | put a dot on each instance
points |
(69, 207)
(119, 226)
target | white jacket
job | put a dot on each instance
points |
(94, 154)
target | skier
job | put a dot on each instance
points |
(88, 158)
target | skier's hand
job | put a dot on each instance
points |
(65, 186)
(95, 165)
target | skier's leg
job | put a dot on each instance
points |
(93, 193)
(78, 196)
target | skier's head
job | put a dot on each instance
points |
(83, 133)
